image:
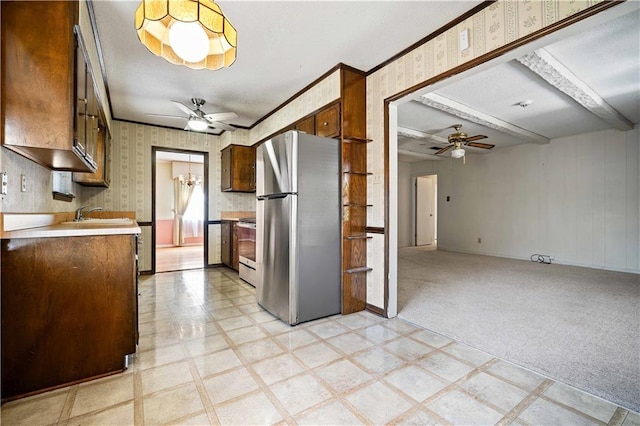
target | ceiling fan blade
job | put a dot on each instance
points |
(184, 108)
(443, 150)
(224, 126)
(475, 138)
(181, 117)
(480, 145)
(221, 116)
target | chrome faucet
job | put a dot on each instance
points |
(80, 214)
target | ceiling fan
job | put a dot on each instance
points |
(200, 121)
(458, 139)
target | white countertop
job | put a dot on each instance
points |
(74, 229)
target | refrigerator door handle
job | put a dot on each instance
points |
(275, 196)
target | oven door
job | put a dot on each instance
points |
(247, 252)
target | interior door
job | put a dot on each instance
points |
(425, 210)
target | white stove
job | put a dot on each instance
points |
(247, 268)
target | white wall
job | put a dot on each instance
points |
(405, 204)
(164, 197)
(576, 199)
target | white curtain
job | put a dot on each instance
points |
(181, 196)
(193, 216)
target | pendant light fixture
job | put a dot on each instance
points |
(191, 179)
(193, 33)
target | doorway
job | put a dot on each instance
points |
(426, 218)
(179, 209)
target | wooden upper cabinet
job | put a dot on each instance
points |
(89, 119)
(42, 74)
(102, 157)
(238, 173)
(327, 121)
(81, 102)
(307, 125)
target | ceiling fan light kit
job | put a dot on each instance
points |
(197, 124)
(193, 33)
(458, 139)
(457, 153)
(200, 121)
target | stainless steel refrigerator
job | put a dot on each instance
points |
(298, 226)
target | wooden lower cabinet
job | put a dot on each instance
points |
(235, 253)
(69, 310)
(229, 244)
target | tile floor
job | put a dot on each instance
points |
(209, 354)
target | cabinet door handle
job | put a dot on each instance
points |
(325, 124)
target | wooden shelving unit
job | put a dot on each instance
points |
(345, 119)
(354, 192)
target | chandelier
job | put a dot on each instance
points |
(192, 180)
(193, 33)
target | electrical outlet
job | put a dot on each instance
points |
(479, 240)
(4, 183)
(23, 183)
(464, 39)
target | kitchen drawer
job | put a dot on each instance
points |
(328, 122)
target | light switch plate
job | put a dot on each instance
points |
(4, 183)
(464, 39)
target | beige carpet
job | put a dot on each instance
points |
(580, 326)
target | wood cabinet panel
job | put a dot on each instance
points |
(328, 121)
(226, 240)
(81, 102)
(39, 64)
(307, 125)
(69, 310)
(102, 175)
(238, 169)
(229, 255)
(235, 252)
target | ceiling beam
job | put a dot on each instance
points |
(459, 110)
(563, 79)
(416, 134)
(419, 155)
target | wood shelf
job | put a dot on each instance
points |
(352, 139)
(375, 230)
(358, 270)
(351, 172)
(357, 205)
(358, 237)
